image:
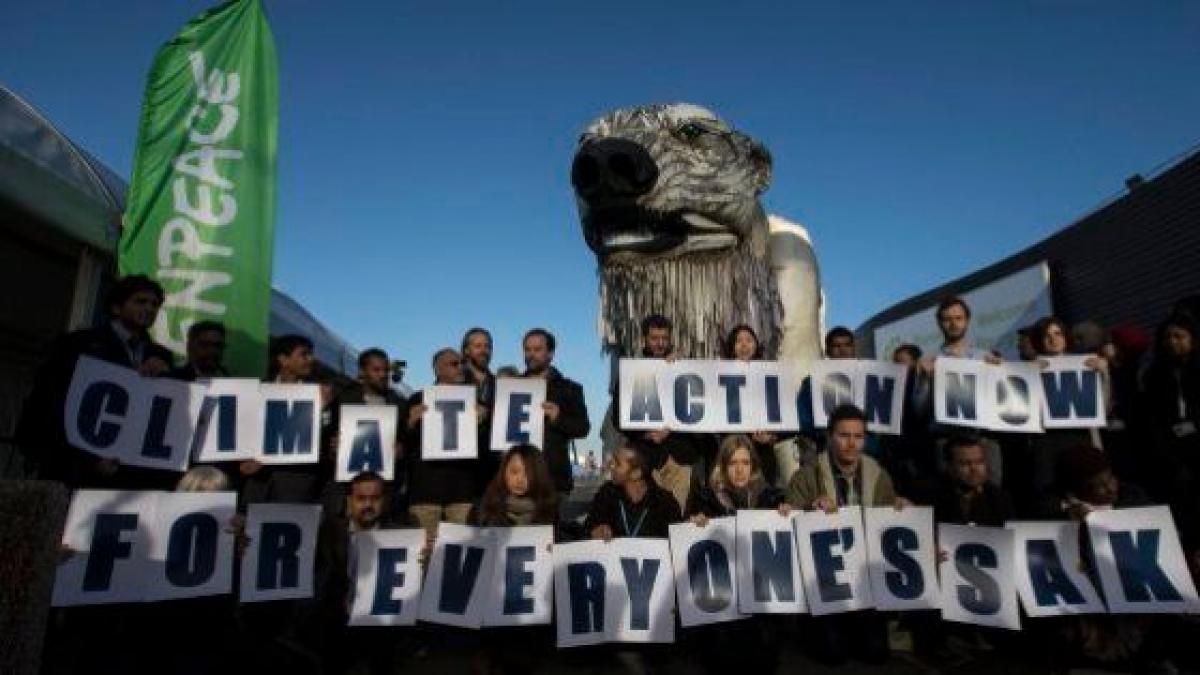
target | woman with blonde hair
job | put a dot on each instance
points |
(203, 479)
(736, 482)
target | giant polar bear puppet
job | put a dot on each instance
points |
(668, 198)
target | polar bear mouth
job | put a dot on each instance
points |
(635, 231)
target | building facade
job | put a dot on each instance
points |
(1127, 262)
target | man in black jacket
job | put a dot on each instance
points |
(477, 361)
(291, 362)
(372, 388)
(205, 352)
(133, 304)
(441, 490)
(343, 648)
(566, 412)
(631, 504)
(967, 496)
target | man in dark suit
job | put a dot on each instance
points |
(133, 304)
(372, 388)
(205, 352)
(344, 649)
(291, 362)
(565, 410)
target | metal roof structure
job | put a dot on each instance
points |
(47, 175)
(1125, 262)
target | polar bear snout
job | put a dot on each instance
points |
(612, 170)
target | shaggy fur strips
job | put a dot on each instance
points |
(704, 296)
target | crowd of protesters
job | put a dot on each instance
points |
(1148, 453)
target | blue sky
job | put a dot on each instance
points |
(425, 147)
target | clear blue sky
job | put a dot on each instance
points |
(425, 146)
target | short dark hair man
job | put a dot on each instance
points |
(291, 362)
(133, 303)
(346, 648)
(839, 343)
(565, 410)
(631, 504)
(373, 387)
(968, 496)
(291, 359)
(844, 476)
(657, 341)
(672, 455)
(954, 321)
(205, 352)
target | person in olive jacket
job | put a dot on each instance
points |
(844, 476)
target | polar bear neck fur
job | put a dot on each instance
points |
(704, 296)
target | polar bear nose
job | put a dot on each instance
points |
(613, 168)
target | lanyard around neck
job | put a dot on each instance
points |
(625, 520)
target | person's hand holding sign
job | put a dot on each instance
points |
(414, 415)
(602, 532)
(153, 367)
(824, 503)
(764, 437)
(108, 466)
(658, 436)
(552, 411)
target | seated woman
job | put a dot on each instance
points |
(521, 493)
(736, 482)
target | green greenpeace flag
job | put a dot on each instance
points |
(200, 212)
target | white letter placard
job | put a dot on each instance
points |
(705, 560)
(1140, 561)
(449, 427)
(518, 416)
(977, 577)
(367, 441)
(902, 558)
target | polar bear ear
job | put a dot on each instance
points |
(760, 162)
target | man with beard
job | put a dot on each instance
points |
(954, 321)
(566, 413)
(347, 649)
(372, 388)
(671, 455)
(477, 358)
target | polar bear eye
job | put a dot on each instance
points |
(690, 131)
